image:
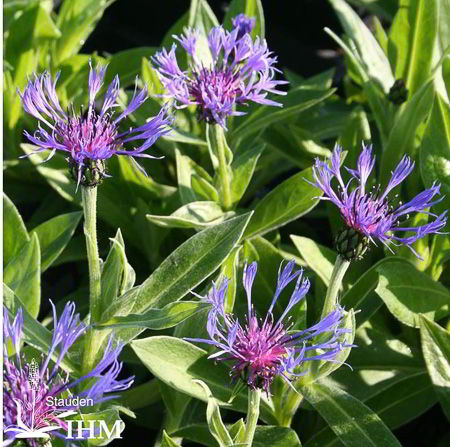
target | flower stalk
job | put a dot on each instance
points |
(331, 299)
(254, 399)
(219, 143)
(89, 200)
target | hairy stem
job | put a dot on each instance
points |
(219, 144)
(331, 299)
(254, 398)
(89, 199)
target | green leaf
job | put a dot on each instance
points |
(362, 294)
(167, 441)
(372, 56)
(411, 41)
(435, 152)
(34, 333)
(156, 319)
(15, 234)
(214, 419)
(402, 137)
(76, 20)
(177, 363)
(55, 172)
(243, 167)
(383, 8)
(265, 436)
(436, 351)
(288, 201)
(251, 8)
(373, 92)
(113, 271)
(192, 215)
(319, 258)
(229, 270)
(54, 235)
(184, 174)
(352, 421)
(408, 293)
(296, 101)
(23, 275)
(183, 270)
(202, 16)
(27, 32)
(127, 64)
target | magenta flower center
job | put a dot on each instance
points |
(261, 350)
(88, 134)
(214, 86)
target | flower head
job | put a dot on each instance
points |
(371, 215)
(239, 70)
(90, 138)
(31, 391)
(264, 348)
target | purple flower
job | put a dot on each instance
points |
(240, 70)
(263, 349)
(93, 137)
(371, 214)
(32, 392)
(244, 24)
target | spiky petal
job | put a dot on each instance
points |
(371, 213)
(240, 70)
(263, 348)
(88, 139)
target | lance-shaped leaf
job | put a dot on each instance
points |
(353, 422)
(15, 234)
(436, 351)
(288, 201)
(23, 275)
(408, 293)
(156, 319)
(182, 270)
(296, 101)
(54, 235)
(201, 214)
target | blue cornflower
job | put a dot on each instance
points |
(31, 392)
(370, 215)
(263, 349)
(240, 70)
(93, 137)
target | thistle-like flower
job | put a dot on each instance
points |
(38, 398)
(371, 215)
(91, 138)
(238, 70)
(264, 348)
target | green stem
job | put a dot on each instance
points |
(331, 299)
(254, 398)
(225, 181)
(89, 199)
(288, 411)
